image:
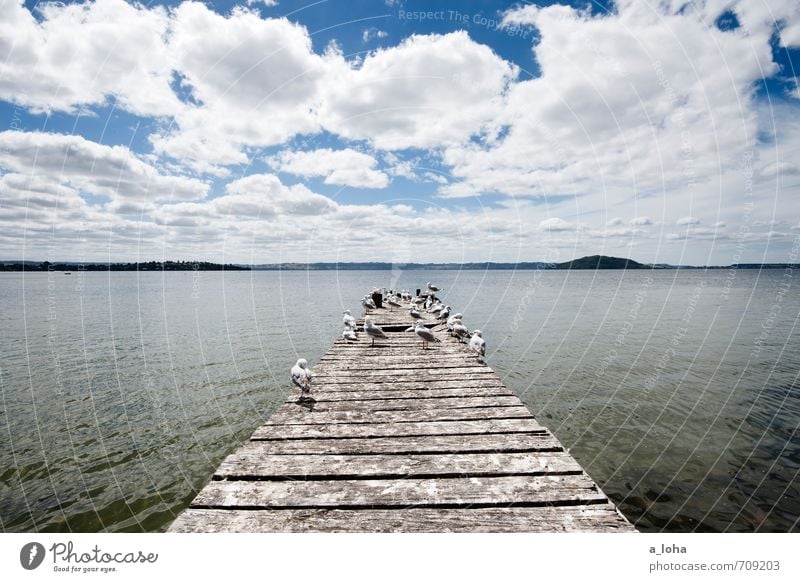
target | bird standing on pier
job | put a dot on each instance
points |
(444, 313)
(348, 320)
(373, 330)
(392, 301)
(414, 313)
(477, 343)
(349, 334)
(301, 377)
(424, 334)
(460, 331)
(368, 302)
(452, 320)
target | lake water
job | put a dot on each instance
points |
(677, 391)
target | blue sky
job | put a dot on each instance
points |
(400, 131)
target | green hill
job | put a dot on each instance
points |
(601, 262)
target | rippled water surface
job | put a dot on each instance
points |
(677, 391)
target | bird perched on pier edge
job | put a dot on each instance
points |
(349, 334)
(373, 330)
(477, 343)
(301, 377)
(424, 334)
(368, 302)
(460, 331)
(348, 320)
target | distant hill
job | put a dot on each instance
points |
(602, 262)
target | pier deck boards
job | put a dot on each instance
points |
(401, 439)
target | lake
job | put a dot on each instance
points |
(676, 390)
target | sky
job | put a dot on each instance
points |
(389, 130)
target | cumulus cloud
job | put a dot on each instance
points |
(642, 99)
(111, 171)
(256, 82)
(556, 225)
(687, 221)
(346, 167)
(426, 92)
(371, 33)
(83, 54)
(641, 221)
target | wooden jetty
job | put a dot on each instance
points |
(401, 439)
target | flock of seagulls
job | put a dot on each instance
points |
(301, 373)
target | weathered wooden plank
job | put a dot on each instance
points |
(293, 414)
(250, 463)
(432, 384)
(464, 427)
(419, 403)
(415, 376)
(528, 490)
(327, 374)
(334, 355)
(325, 395)
(582, 518)
(476, 443)
(381, 366)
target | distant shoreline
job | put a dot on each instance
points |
(596, 262)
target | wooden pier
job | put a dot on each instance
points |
(401, 439)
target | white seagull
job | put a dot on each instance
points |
(424, 334)
(301, 377)
(477, 343)
(460, 331)
(433, 288)
(452, 320)
(349, 334)
(414, 313)
(348, 320)
(368, 302)
(373, 330)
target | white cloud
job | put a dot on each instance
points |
(687, 221)
(111, 171)
(257, 81)
(346, 167)
(641, 221)
(268, 3)
(426, 92)
(371, 33)
(644, 99)
(614, 222)
(84, 54)
(556, 225)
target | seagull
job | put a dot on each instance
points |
(348, 319)
(349, 334)
(433, 288)
(477, 343)
(414, 313)
(373, 330)
(368, 302)
(424, 334)
(301, 377)
(392, 301)
(452, 319)
(460, 331)
(436, 308)
(444, 313)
